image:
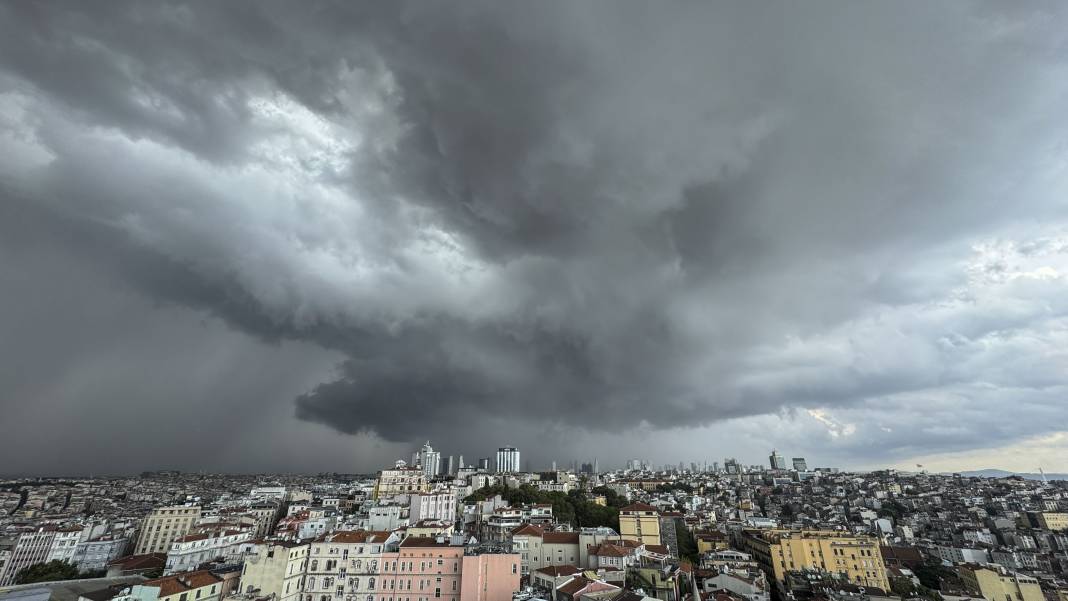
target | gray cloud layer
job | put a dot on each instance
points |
(517, 220)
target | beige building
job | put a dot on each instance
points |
(164, 526)
(277, 568)
(539, 549)
(1053, 520)
(640, 522)
(995, 583)
(401, 480)
(857, 557)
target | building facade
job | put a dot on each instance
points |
(640, 522)
(439, 505)
(30, 548)
(856, 557)
(401, 480)
(995, 583)
(276, 568)
(165, 525)
(508, 460)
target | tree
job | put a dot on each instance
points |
(573, 508)
(48, 572)
(907, 589)
(687, 543)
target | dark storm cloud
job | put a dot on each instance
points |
(567, 215)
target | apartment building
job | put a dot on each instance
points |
(31, 548)
(857, 557)
(540, 549)
(401, 480)
(347, 563)
(96, 553)
(165, 525)
(64, 544)
(276, 568)
(444, 568)
(440, 505)
(995, 583)
(192, 550)
(640, 522)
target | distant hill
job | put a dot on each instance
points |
(1004, 474)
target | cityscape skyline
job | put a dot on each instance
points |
(264, 238)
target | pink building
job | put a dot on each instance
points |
(426, 569)
(422, 568)
(490, 577)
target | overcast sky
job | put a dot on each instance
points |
(307, 236)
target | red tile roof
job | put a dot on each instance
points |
(528, 530)
(557, 571)
(561, 538)
(180, 583)
(639, 507)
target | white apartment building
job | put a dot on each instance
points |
(508, 460)
(317, 526)
(346, 563)
(386, 517)
(439, 505)
(64, 544)
(192, 550)
(275, 493)
(31, 548)
(96, 553)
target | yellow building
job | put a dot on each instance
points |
(1053, 520)
(998, 584)
(854, 556)
(640, 522)
(164, 526)
(708, 542)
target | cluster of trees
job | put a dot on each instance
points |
(932, 574)
(52, 571)
(893, 509)
(687, 543)
(907, 589)
(574, 507)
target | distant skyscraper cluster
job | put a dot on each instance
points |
(432, 464)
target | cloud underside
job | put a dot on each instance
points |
(558, 217)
